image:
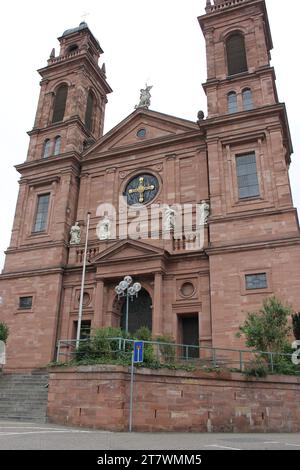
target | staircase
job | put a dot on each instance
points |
(24, 396)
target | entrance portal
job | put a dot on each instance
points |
(140, 312)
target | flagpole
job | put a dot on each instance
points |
(83, 281)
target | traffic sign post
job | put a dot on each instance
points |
(138, 352)
(137, 357)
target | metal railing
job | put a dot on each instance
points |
(234, 359)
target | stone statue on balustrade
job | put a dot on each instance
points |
(203, 213)
(103, 229)
(169, 219)
(75, 234)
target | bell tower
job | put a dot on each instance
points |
(253, 225)
(238, 46)
(71, 107)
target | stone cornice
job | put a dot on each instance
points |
(161, 142)
(32, 273)
(213, 82)
(60, 125)
(264, 111)
(242, 247)
(248, 214)
(79, 59)
(36, 246)
(55, 162)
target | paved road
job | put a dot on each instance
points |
(32, 436)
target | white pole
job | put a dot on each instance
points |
(83, 281)
(131, 392)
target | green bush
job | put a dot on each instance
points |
(99, 345)
(268, 329)
(167, 351)
(296, 325)
(4, 331)
(257, 368)
(144, 334)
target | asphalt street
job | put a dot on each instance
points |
(32, 436)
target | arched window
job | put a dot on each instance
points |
(89, 111)
(57, 145)
(247, 99)
(73, 48)
(236, 54)
(232, 102)
(60, 103)
(46, 148)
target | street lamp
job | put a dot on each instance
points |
(126, 289)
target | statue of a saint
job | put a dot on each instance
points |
(75, 234)
(145, 98)
(104, 229)
(169, 219)
(204, 210)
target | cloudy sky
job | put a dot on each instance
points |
(158, 41)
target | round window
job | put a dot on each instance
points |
(187, 289)
(141, 189)
(141, 133)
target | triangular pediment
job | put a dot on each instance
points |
(128, 250)
(154, 126)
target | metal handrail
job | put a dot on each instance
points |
(215, 358)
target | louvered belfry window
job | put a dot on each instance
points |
(236, 54)
(89, 111)
(60, 104)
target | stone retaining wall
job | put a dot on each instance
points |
(164, 400)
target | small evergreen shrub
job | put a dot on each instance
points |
(4, 331)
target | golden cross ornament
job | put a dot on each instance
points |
(141, 189)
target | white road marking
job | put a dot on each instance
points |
(293, 445)
(222, 447)
(2, 434)
(271, 442)
(30, 427)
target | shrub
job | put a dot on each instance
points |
(4, 331)
(144, 334)
(257, 368)
(167, 351)
(267, 330)
(296, 325)
(100, 344)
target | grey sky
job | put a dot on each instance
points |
(158, 41)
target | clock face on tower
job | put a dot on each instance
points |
(141, 189)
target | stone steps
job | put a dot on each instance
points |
(24, 396)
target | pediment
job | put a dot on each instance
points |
(156, 125)
(128, 250)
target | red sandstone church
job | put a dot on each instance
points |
(235, 162)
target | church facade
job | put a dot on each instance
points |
(200, 213)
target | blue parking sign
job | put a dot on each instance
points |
(138, 352)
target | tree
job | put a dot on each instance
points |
(268, 329)
(3, 332)
(296, 325)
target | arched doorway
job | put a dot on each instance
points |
(140, 312)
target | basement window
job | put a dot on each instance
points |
(25, 303)
(256, 281)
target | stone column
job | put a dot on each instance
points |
(99, 305)
(157, 310)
